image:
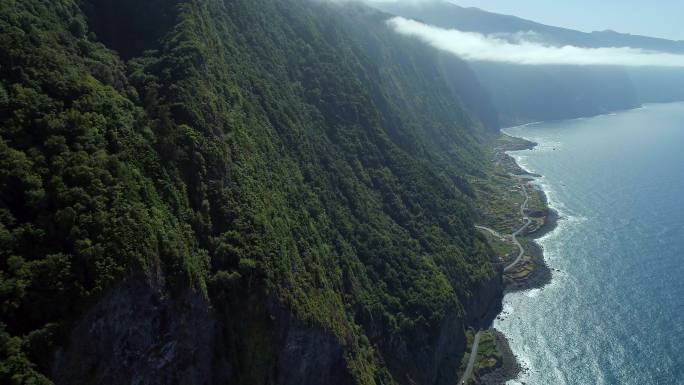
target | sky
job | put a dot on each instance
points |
(657, 18)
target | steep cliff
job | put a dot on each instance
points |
(239, 191)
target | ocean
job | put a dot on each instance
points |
(614, 312)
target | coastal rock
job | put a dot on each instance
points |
(507, 367)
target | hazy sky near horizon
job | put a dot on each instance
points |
(657, 18)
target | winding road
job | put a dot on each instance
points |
(514, 235)
(528, 221)
(491, 231)
(476, 341)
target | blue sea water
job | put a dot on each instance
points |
(614, 312)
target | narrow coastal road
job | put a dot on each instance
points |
(476, 341)
(491, 231)
(471, 362)
(514, 236)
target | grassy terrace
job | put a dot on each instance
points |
(537, 202)
(499, 198)
(487, 354)
(505, 250)
(498, 193)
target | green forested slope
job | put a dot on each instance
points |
(255, 151)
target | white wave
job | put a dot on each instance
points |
(516, 304)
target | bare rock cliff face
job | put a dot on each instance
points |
(138, 334)
(484, 307)
(307, 355)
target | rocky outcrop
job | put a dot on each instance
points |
(507, 367)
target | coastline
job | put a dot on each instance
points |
(510, 368)
(525, 320)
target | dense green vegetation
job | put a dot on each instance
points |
(78, 205)
(247, 149)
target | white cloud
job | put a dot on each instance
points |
(521, 50)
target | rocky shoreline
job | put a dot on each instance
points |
(541, 274)
(509, 366)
